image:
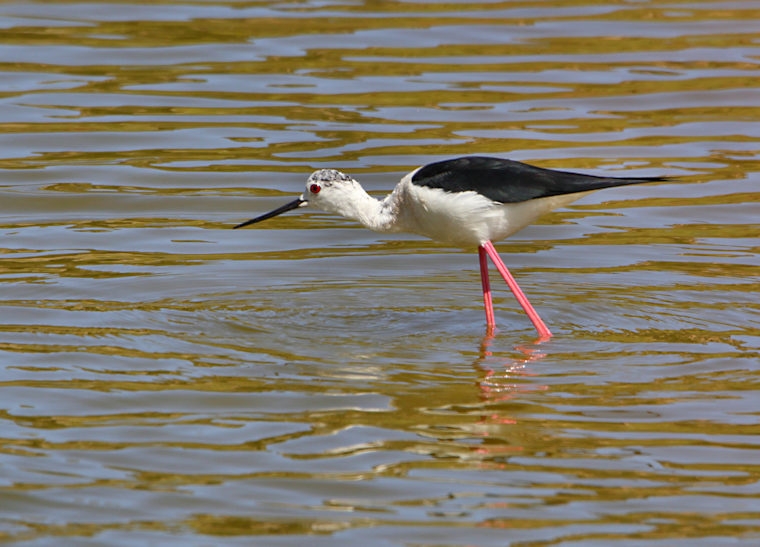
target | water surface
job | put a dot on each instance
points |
(166, 380)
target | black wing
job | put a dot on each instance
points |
(508, 181)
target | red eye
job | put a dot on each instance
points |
(315, 188)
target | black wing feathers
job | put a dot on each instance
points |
(508, 181)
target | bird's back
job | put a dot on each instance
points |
(508, 181)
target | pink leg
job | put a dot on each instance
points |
(543, 331)
(490, 322)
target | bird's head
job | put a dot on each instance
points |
(326, 189)
(329, 189)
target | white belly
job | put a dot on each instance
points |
(469, 219)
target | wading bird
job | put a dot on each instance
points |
(466, 202)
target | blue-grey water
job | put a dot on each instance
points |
(165, 380)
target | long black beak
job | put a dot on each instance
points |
(295, 204)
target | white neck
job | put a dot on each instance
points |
(378, 216)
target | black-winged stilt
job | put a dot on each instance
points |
(466, 202)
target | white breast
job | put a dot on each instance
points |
(466, 219)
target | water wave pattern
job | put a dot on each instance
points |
(164, 379)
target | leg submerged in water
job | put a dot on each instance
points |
(487, 248)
